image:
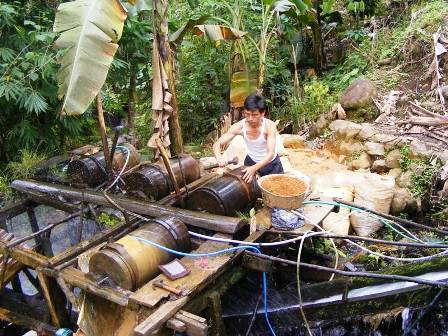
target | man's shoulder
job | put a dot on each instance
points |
(271, 124)
(236, 127)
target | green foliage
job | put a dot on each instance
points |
(28, 92)
(4, 187)
(422, 181)
(24, 168)
(107, 220)
(405, 160)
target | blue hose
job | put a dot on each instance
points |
(214, 254)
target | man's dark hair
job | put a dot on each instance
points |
(255, 102)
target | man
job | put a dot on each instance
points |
(259, 135)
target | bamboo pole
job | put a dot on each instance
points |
(102, 130)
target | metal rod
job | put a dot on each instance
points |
(392, 218)
(367, 239)
(349, 273)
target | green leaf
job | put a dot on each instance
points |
(10, 90)
(327, 6)
(33, 102)
(6, 54)
(89, 30)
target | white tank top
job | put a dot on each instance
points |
(257, 149)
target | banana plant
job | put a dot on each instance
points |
(89, 31)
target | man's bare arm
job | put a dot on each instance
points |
(223, 141)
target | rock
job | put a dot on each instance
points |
(395, 172)
(358, 94)
(293, 141)
(384, 138)
(350, 147)
(405, 180)
(443, 156)
(444, 89)
(402, 202)
(379, 166)
(393, 159)
(374, 148)
(362, 162)
(319, 126)
(345, 129)
(416, 168)
(367, 131)
(419, 150)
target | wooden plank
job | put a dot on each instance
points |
(24, 255)
(195, 325)
(76, 278)
(12, 210)
(200, 270)
(202, 273)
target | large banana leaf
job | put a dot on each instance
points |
(243, 84)
(218, 32)
(90, 30)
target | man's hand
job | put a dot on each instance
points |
(249, 173)
(222, 162)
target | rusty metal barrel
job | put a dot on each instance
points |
(130, 262)
(152, 181)
(91, 170)
(225, 195)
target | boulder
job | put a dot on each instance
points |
(405, 179)
(367, 132)
(419, 150)
(350, 147)
(379, 166)
(358, 94)
(374, 148)
(443, 155)
(402, 202)
(393, 159)
(416, 168)
(345, 129)
(395, 172)
(362, 162)
(293, 141)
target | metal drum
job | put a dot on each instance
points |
(152, 181)
(131, 263)
(91, 170)
(225, 195)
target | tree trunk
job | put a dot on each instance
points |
(131, 104)
(160, 9)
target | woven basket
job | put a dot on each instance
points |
(280, 201)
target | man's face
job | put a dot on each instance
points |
(253, 117)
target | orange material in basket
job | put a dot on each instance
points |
(284, 186)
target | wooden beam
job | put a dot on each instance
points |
(194, 325)
(76, 278)
(42, 240)
(27, 322)
(198, 219)
(25, 256)
(55, 300)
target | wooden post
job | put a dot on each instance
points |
(160, 19)
(217, 325)
(55, 299)
(102, 130)
(166, 161)
(42, 240)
